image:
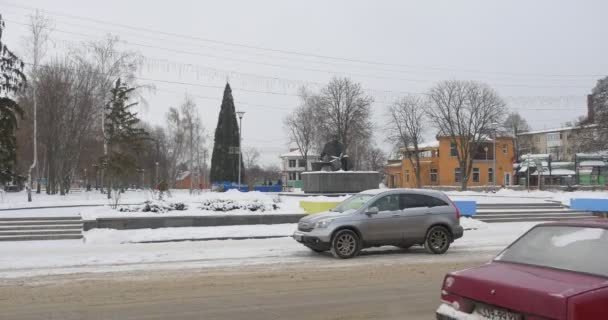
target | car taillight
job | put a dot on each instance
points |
(457, 210)
(457, 302)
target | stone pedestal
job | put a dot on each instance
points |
(340, 181)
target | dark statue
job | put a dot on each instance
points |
(332, 158)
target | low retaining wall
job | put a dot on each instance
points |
(189, 221)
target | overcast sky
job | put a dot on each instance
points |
(543, 57)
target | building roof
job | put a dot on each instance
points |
(296, 153)
(556, 172)
(593, 163)
(556, 129)
(183, 175)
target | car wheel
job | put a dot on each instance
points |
(345, 244)
(438, 240)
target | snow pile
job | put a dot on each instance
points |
(155, 206)
(472, 224)
(230, 205)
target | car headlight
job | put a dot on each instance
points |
(323, 223)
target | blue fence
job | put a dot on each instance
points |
(596, 205)
(275, 188)
(244, 188)
(466, 208)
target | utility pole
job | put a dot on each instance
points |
(528, 171)
(240, 114)
(495, 174)
(156, 176)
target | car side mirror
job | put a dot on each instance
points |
(372, 211)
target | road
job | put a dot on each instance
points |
(368, 291)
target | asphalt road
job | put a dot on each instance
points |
(367, 291)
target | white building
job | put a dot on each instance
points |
(292, 166)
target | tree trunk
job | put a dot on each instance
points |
(417, 172)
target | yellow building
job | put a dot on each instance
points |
(439, 165)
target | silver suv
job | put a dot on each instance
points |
(399, 217)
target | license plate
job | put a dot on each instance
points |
(493, 313)
(297, 237)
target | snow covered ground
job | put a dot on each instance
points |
(100, 253)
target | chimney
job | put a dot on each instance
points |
(590, 110)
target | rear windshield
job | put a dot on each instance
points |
(353, 203)
(576, 249)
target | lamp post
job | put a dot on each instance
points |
(240, 114)
(156, 176)
(494, 173)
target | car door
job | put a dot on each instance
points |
(416, 214)
(382, 227)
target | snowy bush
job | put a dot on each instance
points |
(230, 205)
(155, 206)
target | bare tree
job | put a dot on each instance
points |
(513, 125)
(343, 112)
(110, 64)
(175, 143)
(251, 156)
(465, 112)
(300, 125)
(406, 128)
(39, 31)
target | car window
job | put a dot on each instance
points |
(561, 247)
(353, 203)
(420, 200)
(387, 203)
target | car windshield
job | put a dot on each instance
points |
(578, 249)
(353, 203)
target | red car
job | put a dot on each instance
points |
(555, 270)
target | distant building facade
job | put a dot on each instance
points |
(439, 165)
(293, 165)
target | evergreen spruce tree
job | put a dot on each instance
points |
(12, 80)
(123, 134)
(225, 158)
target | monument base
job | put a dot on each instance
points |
(340, 181)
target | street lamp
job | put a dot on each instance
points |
(156, 176)
(494, 173)
(240, 114)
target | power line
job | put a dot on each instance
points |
(303, 68)
(288, 52)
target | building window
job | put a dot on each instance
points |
(407, 176)
(561, 136)
(475, 174)
(301, 163)
(457, 175)
(505, 148)
(453, 150)
(537, 138)
(293, 176)
(490, 174)
(433, 175)
(292, 163)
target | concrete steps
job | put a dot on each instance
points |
(40, 228)
(528, 212)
